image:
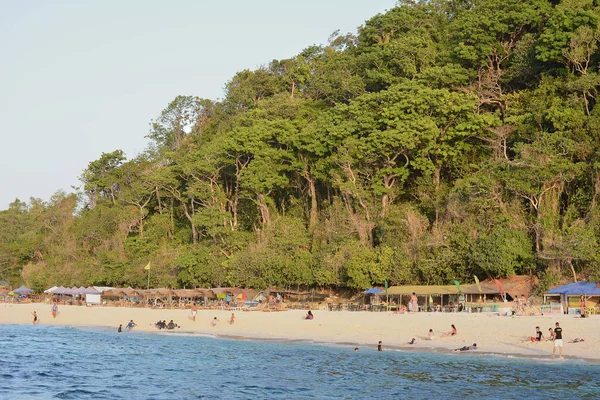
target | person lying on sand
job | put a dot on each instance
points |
(451, 332)
(577, 340)
(466, 348)
(413, 341)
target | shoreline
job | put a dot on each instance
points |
(495, 335)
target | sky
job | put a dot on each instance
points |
(80, 78)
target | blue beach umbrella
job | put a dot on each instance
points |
(372, 291)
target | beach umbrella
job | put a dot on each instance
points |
(221, 295)
(242, 296)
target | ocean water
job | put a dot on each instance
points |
(43, 362)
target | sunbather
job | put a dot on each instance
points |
(466, 348)
(430, 335)
(538, 335)
(577, 340)
(451, 332)
(172, 325)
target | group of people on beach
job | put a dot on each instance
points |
(555, 335)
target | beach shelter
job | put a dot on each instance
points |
(569, 294)
(23, 290)
(51, 290)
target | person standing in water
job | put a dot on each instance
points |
(120, 328)
(558, 341)
(379, 346)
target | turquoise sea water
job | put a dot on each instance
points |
(41, 362)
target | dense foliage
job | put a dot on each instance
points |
(447, 138)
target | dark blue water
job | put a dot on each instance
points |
(39, 362)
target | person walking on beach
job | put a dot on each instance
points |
(558, 341)
(214, 322)
(54, 310)
(379, 346)
(194, 311)
(232, 319)
(415, 302)
(35, 320)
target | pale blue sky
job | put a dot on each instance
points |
(78, 78)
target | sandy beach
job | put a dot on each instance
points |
(493, 334)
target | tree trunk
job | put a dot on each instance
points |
(189, 217)
(264, 210)
(569, 261)
(314, 214)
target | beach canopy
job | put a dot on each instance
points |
(423, 290)
(372, 291)
(23, 290)
(51, 290)
(89, 290)
(577, 289)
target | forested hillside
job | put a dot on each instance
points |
(446, 139)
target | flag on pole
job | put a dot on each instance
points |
(477, 282)
(147, 267)
(499, 286)
(458, 286)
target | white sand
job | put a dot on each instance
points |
(493, 334)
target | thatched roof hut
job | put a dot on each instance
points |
(189, 293)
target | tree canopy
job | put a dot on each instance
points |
(444, 139)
